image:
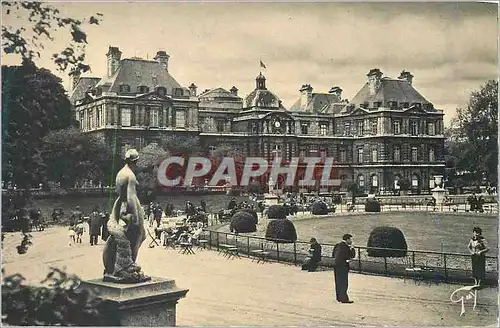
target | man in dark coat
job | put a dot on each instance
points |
(343, 252)
(105, 219)
(95, 226)
(311, 263)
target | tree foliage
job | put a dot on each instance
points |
(57, 302)
(473, 136)
(181, 145)
(71, 155)
(43, 20)
(33, 103)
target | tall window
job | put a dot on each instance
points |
(414, 181)
(414, 128)
(81, 120)
(212, 150)
(154, 117)
(100, 116)
(432, 155)
(397, 154)
(431, 129)
(90, 123)
(374, 127)
(361, 181)
(374, 155)
(414, 154)
(360, 128)
(323, 129)
(347, 129)
(396, 128)
(343, 157)
(360, 155)
(374, 180)
(180, 118)
(126, 116)
(304, 128)
(219, 125)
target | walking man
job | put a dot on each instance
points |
(95, 226)
(343, 252)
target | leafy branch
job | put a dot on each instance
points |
(44, 20)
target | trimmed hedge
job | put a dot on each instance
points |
(319, 208)
(387, 237)
(281, 231)
(372, 205)
(253, 213)
(242, 222)
(276, 212)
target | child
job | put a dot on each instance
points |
(79, 231)
(71, 235)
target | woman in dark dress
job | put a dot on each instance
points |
(478, 247)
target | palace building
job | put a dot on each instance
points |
(387, 132)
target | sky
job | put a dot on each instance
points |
(450, 48)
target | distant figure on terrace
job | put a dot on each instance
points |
(95, 226)
(76, 216)
(478, 248)
(343, 252)
(232, 204)
(311, 262)
(157, 214)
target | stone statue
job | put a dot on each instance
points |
(126, 228)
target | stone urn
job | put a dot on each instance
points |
(438, 180)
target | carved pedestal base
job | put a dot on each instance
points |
(147, 304)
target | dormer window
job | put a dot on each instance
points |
(417, 105)
(142, 89)
(178, 92)
(364, 105)
(124, 88)
(393, 104)
(98, 91)
(377, 104)
(162, 91)
(405, 105)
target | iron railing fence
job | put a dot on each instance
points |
(441, 266)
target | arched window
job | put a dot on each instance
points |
(414, 181)
(361, 181)
(142, 89)
(162, 91)
(396, 179)
(432, 155)
(124, 88)
(374, 180)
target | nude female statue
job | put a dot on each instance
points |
(126, 228)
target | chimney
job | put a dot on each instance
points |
(374, 77)
(114, 55)
(305, 95)
(234, 91)
(75, 77)
(162, 58)
(336, 91)
(192, 89)
(407, 76)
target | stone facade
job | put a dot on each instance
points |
(386, 132)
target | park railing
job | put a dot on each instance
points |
(447, 267)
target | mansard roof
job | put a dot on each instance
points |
(82, 86)
(389, 90)
(319, 102)
(139, 72)
(218, 93)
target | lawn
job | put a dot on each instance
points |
(441, 232)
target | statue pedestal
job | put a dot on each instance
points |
(147, 304)
(270, 199)
(438, 193)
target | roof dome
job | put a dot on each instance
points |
(261, 97)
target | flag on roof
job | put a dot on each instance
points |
(262, 64)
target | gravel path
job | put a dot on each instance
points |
(240, 292)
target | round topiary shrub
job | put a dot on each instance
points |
(319, 208)
(242, 222)
(253, 213)
(276, 212)
(281, 231)
(372, 205)
(387, 237)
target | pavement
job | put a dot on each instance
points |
(237, 292)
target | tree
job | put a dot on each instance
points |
(42, 21)
(73, 156)
(33, 103)
(180, 145)
(475, 133)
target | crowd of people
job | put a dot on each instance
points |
(94, 225)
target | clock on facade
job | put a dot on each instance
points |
(277, 126)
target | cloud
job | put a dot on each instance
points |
(450, 48)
